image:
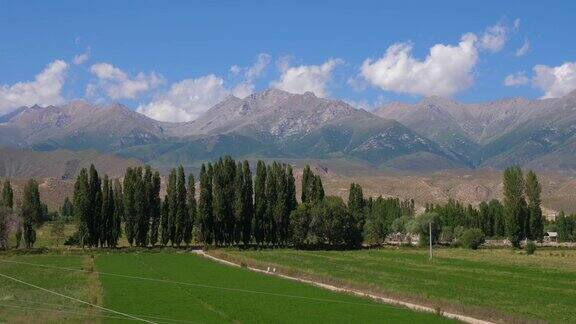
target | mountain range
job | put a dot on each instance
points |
(433, 134)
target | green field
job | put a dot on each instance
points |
(174, 287)
(498, 284)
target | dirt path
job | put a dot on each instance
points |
(391, 301)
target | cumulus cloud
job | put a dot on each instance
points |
(516, 79)
(523, 50)
(303, 78)
(116, 84)
(44, 90)
(81, 58)
(251, 74)
(186, 100)
(446, 70)
(495, 37)
(555, 81)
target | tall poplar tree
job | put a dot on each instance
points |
(260, 203)
(514, 205)
(248, 204)
(31, 212)
(116, 226)
(143, 191)
(95, 198)
(536, 222)
(192, 209)
(107, 213)
(129, 187)
(205, 212)
(219, 203)
(239, 202)
(172, 196)
(307, 184)
(272, 203)
(165, 221)
(82, 206)
(154, 203)
(7, 198)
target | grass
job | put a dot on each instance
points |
(169, 286)
(494, 283)
(23, 304)
(216, 293)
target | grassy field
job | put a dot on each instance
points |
(198, 290)
(24, 304)
(488, 283)
(172, 287)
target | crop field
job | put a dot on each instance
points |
(489, 283)
(171, 287)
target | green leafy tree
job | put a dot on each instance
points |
(57, 231)
(192, 210)
(182, 213)
(67, 210)
(205, 213)
(95, 201)
(248, 204)
(317, 194)
(260, 203)
(82, 206)
(423, 224)
(472, 238)
(130, 203)
(31, 212)
(107, 212)
(5, 214)
(164, 221)
(307, 184)
(300, 219)
(536, 221)
(7, 199)
(116, 226)
(154, 204)
(514, 205)
(172, 193)
(331, 223)
(143, 191)
(272, 200)
(239, 202)
(566, 226)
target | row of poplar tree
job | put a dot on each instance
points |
(232, 207)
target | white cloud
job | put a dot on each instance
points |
(44, 90)
(446, 70)
(495, 37)
(516, 79)
(187, 99)
(81, 58)
(246, 87)
(303, 78)
(523, 50)
(116, 84)
(555, 81)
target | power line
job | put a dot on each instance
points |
(74, 299)
(73, 308)
(205, 286)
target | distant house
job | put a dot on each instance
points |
(551, 237)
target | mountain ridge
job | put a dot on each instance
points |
(435, 133)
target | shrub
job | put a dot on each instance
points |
(530, 247)
(472, 238)
(447, 235)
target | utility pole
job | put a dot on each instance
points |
(430, 238)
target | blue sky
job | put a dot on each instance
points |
(172, 59)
